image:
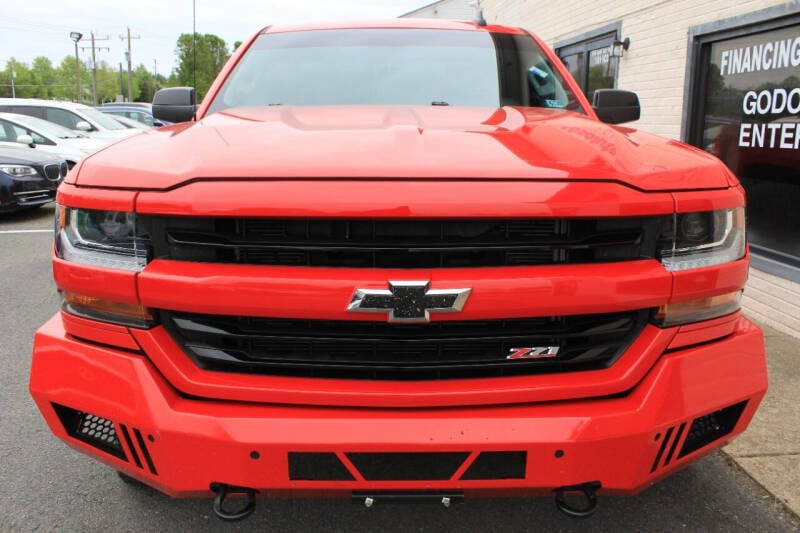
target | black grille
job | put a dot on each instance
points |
(380, 350)
(92, 429)
(315, 466)
(408, 243)
(399, 466)
(497, 465)
(55, 172)
(713, 426)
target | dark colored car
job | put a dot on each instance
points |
(28, 178)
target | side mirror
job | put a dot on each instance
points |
(26, 139)
(176, 104)
(615, 106)
(82, 125)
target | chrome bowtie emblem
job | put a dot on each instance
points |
(408, 301)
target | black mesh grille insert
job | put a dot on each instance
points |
(497, 465)
(317, 466)
(713, 426)
(380, 350)
(433, 466)
(406, 243)
(91, 429)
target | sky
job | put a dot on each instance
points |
(29, 29)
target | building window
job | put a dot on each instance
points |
(746, 111)
(588, 58)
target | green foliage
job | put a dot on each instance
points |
(46, 77)
(145, 84)
(43, 79)
(199, 64)
(22, 79)
(69, 79)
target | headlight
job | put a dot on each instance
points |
(110, 239)
(704, 239)
(18, 170)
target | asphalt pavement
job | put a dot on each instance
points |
(47, 486)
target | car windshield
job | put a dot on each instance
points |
(49, 129)
(97, 117)
(394, 67)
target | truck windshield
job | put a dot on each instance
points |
(394, 67)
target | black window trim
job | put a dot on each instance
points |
(698, 51)
(613, 31)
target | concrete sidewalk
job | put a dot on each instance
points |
(769, 451)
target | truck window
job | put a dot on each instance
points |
(393, 67)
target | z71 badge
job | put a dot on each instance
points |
(533, 352)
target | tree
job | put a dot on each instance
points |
(108, 82)
(66, 72)
(199, 64)
(22, 80)
(50, 82)
(144, 84)
(43, 79)
(5, 82)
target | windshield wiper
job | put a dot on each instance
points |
(439, 103)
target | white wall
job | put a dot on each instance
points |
(446, 9)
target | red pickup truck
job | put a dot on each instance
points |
(398, 260)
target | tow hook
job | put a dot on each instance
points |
(588, 490)
(222, 492)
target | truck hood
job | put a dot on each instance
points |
(400, 143)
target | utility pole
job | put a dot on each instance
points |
(194, 45)
(94, 63)
(128, 57)
(155, 69)
(76, 36)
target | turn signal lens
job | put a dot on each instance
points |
(697, 310)
(92, 308)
